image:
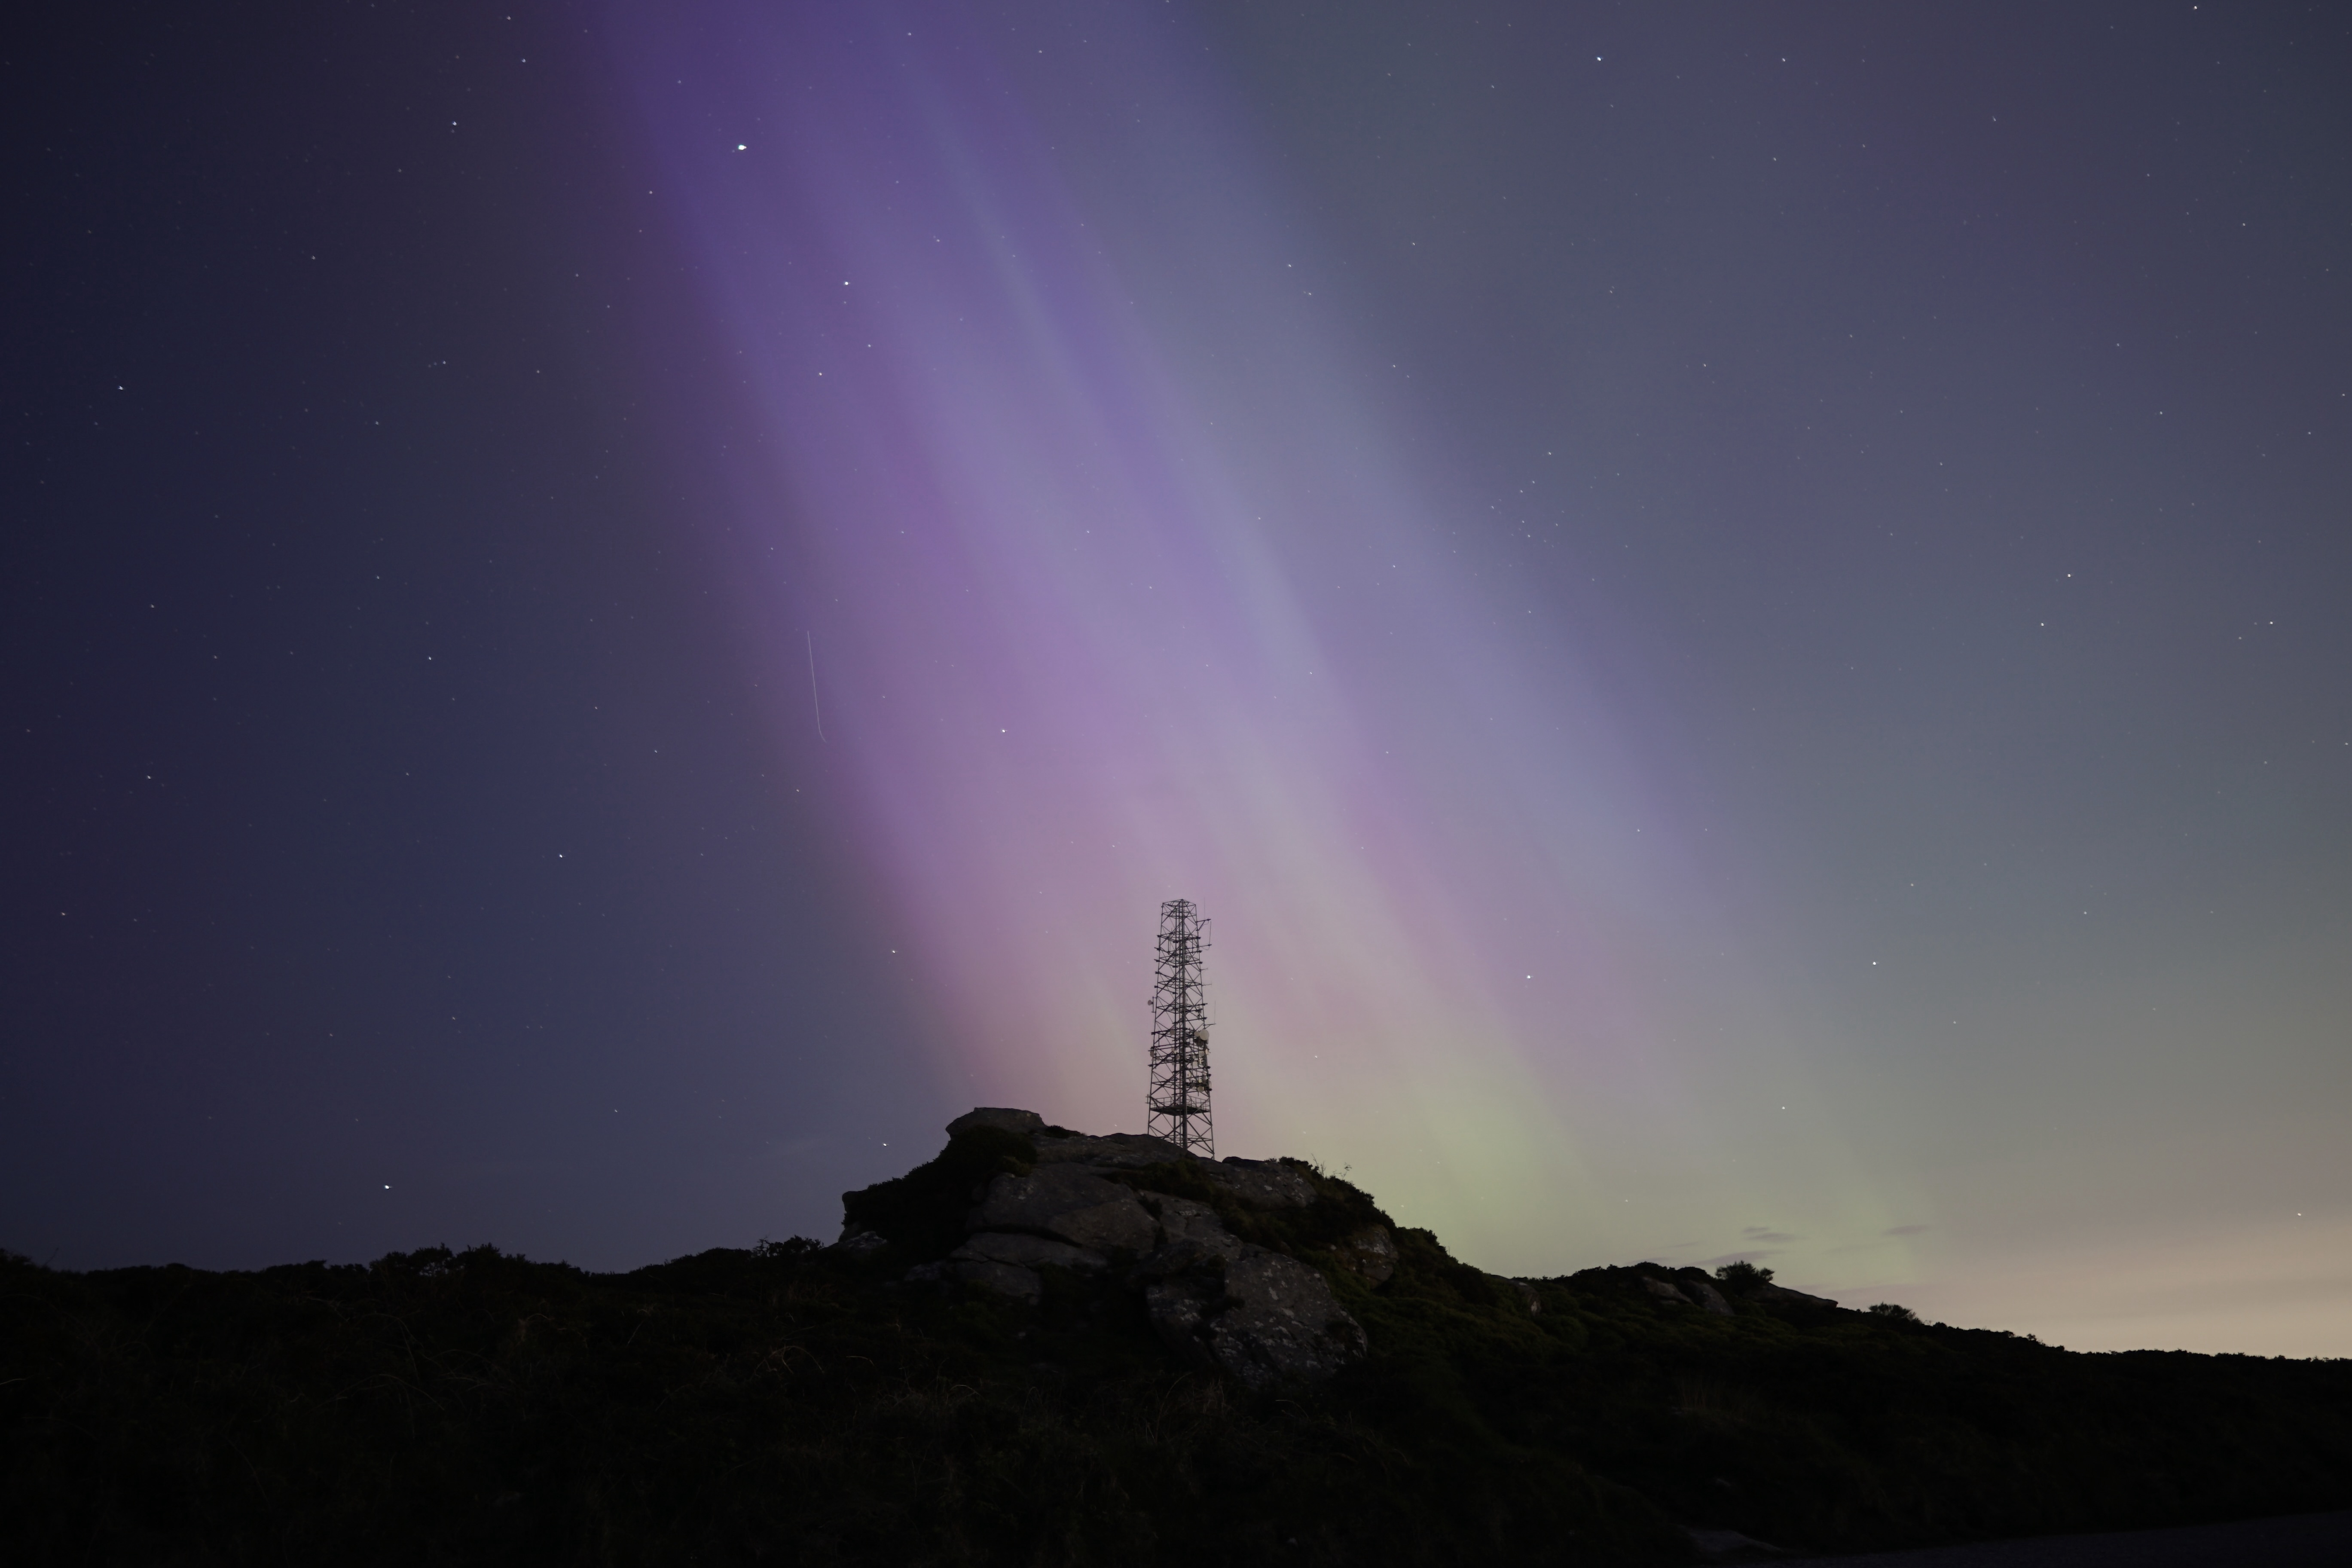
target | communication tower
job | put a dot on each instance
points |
(1178, 1104)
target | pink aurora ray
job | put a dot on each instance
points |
(1121, 586)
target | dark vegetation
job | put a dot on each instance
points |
(790, 1404)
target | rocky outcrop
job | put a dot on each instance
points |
(1255, 1314)
(1070, 1202)
(1280, 1321)
(1183, 1221)
(1026, 1123)
(1073, 1222)
(1252, 1311)
(1264, 1182)
(1369, 1253)
(1711, 1299)
(1005, 1263)
(1114, 1151)
(1691, 1292)
(1023, 1285)
(857, 1241)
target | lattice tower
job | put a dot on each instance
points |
(1178, 1104)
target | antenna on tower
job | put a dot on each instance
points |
(1178, 1103)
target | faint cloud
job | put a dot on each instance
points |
(1907, 1230)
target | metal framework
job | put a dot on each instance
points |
(1178, 1104)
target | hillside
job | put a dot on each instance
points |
(1044, 1347)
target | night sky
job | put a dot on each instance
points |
(1738, 616)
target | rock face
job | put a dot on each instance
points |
(1218, 1300)
(1369, 1253)
(1117, 1151)
(1183, 1221)
(1005, 1279)
(1711, 1299)
(1075, 1225)
(856, 1240)
(1070, 1202)
(1027, 1124)
(1690, 1293)
(1255, 1313)
(1006, 1263)
(1261, 1182)
(1261, 1316)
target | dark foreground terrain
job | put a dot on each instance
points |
(796, 1404)
(2298, 1540)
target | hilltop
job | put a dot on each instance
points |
(1044, 1347)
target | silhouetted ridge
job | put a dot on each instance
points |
(1045, 1347)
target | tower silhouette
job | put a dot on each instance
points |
(1177, 1106)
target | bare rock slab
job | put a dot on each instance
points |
(1261, 1316)
(1120, 1225)
(1023, 1285)
(1281, 1323)
(1070, 1202)
(857, 1241)
(1181, 1306)
(1691, 1293)
(1187, 1221)
(1120, 1151)
(1664, 1291)
(1027, 1124)
(1268, 1183)
(1031, 1201)
(1370, 1254)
